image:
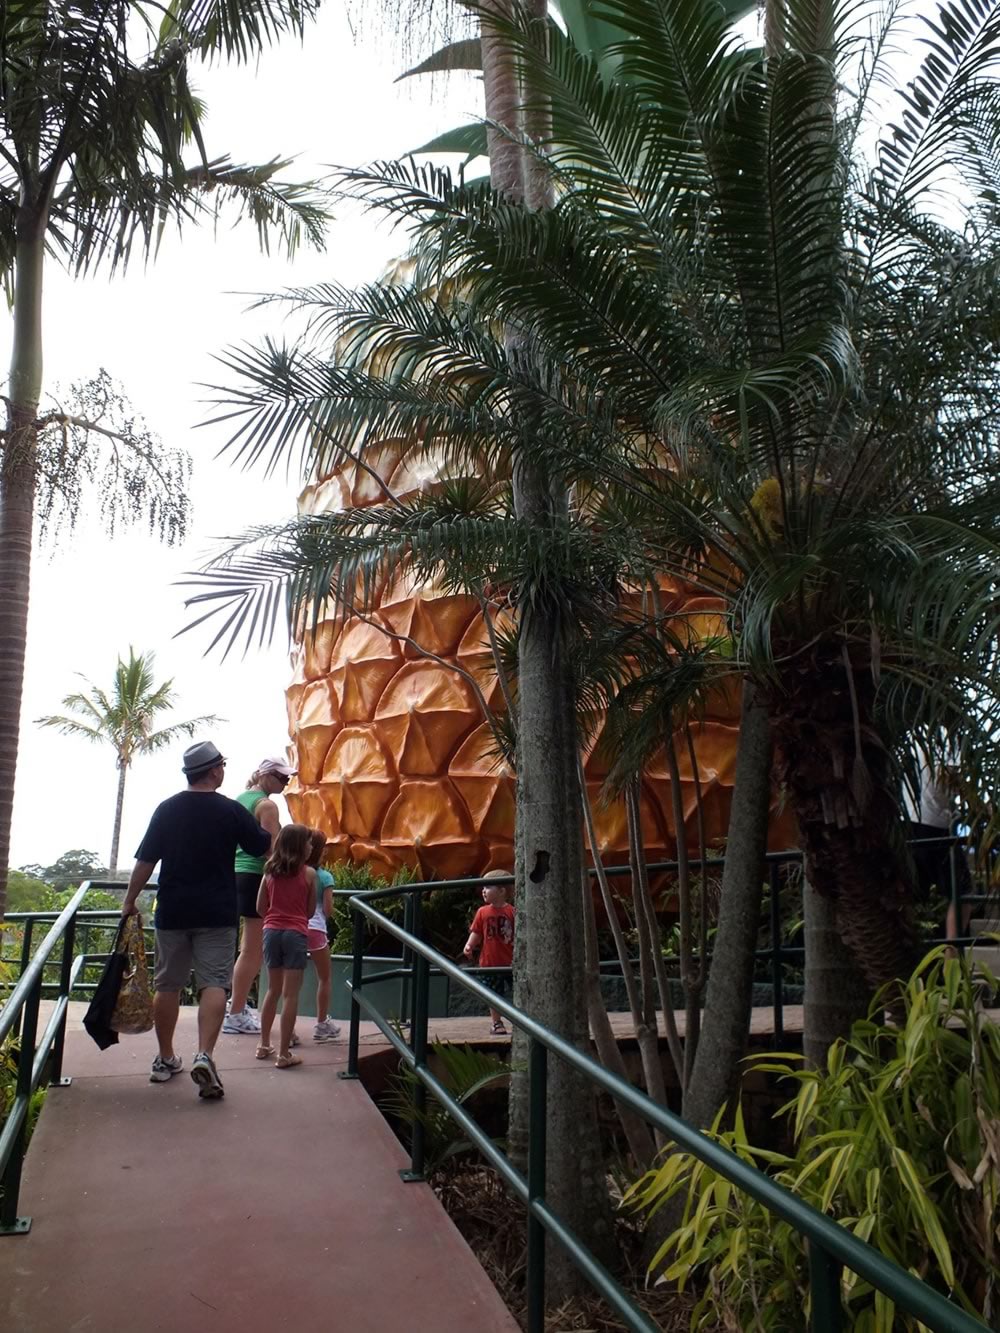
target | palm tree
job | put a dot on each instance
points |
(730, 282)
(93, 165)
(125, 719)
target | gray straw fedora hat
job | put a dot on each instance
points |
(202, 756)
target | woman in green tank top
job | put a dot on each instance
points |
(268, 779)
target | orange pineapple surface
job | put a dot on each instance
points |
(395, 760)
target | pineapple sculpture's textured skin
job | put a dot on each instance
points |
(395, 760)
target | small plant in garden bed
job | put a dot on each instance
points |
(465, 1072)
(898, 1139)
(9, 1060)
(493, 1225)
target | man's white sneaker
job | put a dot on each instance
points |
(164, 1070)
(242, 1024)
(327, 1030)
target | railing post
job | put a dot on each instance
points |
(956, 898)
(418, 1044)
(58, 1045)
(357, 977)
(417, 929)
(406, 965)
(777, 993)
(25, 960)
(10, 1183)
(826, 1314)
(537, 1098)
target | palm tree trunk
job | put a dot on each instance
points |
(836, 773)
(729, 998)
(500, 93)
(501, 98)
(551, 970)
(636, 1131)
(17, 508)
(550, 954)
(116, 831)
(836, 995)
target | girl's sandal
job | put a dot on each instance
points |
(295, 1040)
(264, 1052)
(498, 1030)
(287, 1061)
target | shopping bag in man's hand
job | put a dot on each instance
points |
(133, 1012)
(97, 1019)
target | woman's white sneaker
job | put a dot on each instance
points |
(327, 1030)
(241, 1024)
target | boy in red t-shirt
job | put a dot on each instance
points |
(492, 934)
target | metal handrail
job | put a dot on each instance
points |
(831, 1246)
(38, 1061)
(776, 955)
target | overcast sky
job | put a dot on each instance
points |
(331, 101)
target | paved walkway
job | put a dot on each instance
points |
(277, 1208)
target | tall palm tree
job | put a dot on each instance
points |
(729, 279)
(125, 718)
(101, 146)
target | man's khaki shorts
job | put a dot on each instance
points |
(210, 950)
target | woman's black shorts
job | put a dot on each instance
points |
(246, 891)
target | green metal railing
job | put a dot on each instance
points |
(39, 1060)
(776, 955)
(832, 1247)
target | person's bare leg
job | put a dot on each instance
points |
(289, 1008)
(275, 981)
(211, 1012)
(321, 962)
(166, 1007)
(248, 964)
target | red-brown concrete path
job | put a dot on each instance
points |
(277, 1208)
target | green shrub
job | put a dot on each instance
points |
(898, 1140)
(358, 877)
(464, 1071)
(446, 917)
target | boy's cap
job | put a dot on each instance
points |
(278, 766)
(499, 874)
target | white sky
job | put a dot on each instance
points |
(331, 102)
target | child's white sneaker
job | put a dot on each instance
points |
(328, 1030)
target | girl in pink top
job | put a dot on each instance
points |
(286, 900)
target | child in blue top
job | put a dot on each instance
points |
(318, 943)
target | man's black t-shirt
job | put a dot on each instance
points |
(194, 835)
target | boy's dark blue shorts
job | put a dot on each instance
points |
(500, 983)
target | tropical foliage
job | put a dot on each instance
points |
(464, 1072)
(102, 145)
(71, 868)
(125, 718)
(758, 336)
(898, 1139)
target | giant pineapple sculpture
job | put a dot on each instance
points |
(395, 758)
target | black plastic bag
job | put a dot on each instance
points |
(97, 1019)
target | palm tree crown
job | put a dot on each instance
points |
(125, 718)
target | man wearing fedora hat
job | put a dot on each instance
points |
(194, 836)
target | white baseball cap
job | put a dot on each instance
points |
(278, 766)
